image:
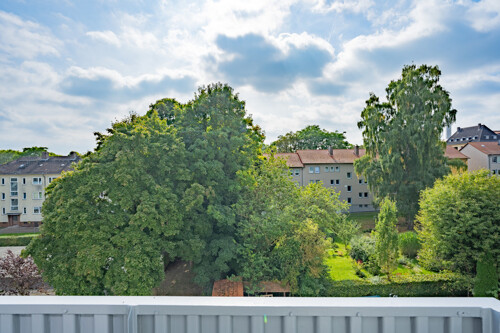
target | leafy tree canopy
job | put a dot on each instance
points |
(459, 221)
(404, 153)
(311, 137)
(282, 228)
(386, 237)
(153, 191)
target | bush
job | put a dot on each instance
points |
(486, 281)
(409, 244)
(433, 285)
(18, 275)
(362, 248)
(16, 240)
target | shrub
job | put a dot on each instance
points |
(16, 240)
(433, 285)
(19, 275)
(362, 248)
(486, 281)
(409, 244)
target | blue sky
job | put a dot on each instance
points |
(70, 68)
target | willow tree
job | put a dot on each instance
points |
(404, 153)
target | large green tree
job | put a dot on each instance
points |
(282, 228)
(404, 153)
(459, 222)
(311, 137)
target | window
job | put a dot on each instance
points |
(37, 210)
(494, 159)
(3, 181)
(349, 175)
(38, 195)
(337, 169)
(13, 187)
(24, 195)
(24, 210)
(349, 188)
(3, 211)
(366, 194)
(487, 137)
(366, 182)
(14, 204)
(311, 169)
(494, 137)
(349, 200)
(297, 172)
(366, 206)
(3, 196)
(332, 181)
(37, 181)
(51, 179)
(360, 181)
(360, 194)
(327, 169)
(337, 181)
(360, 206)
(316, 169)
(24, 181)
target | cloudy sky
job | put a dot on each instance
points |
(70, 68)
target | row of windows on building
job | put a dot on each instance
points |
(36, 195)
(486, 137)
(337, 182)
(36, 210)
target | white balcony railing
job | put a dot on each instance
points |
(71, 314)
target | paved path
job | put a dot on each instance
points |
(15, 249)
(15, 229)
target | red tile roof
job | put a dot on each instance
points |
(292, 159)
(451, 152)
(489, 148)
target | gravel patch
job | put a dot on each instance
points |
(16, 249)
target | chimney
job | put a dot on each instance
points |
(479, 125)
(458, 129)
(45, 155)
(330, 150)
(72, 155)
(356, 150)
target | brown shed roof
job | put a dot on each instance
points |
(489, 148)
(451, 152)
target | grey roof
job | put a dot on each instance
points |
(479, 133)
(36, 165)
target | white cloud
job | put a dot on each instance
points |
(25, 39)
(339, 6)
(484, 15)
(105, 36)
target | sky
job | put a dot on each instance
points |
(71, 68)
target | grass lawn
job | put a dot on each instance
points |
(20, 234)
(365, 219)
(340, 266)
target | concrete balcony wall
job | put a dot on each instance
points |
(88, 314)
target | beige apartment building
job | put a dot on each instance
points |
(23, 183)
(334, 168)
(483, 155)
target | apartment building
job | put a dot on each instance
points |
(23, 183)
(334, 168)
(479, 133)
(483, 155)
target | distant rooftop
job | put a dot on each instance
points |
(489, 148)
(39, 165)
(479, 133)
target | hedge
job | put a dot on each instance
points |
(432, 285)
(16, 240)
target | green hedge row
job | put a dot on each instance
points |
(432, 285)
(16, 240)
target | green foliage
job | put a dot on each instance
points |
(16, 240)
(311, 137)
(409, 244)
(404, 153)
(282, 227)
(434, 285)
(486, 281)
(386, 237)
(459, 221)
(363, 248)
(345, 229)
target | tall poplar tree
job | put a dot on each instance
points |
(404, 153)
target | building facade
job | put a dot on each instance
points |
(334, 168)
(23, 183)
(483, 155)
